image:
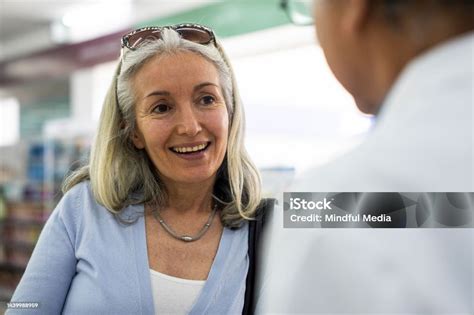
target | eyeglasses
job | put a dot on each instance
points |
(299, 11)
(193, 32)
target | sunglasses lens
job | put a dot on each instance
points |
(195, 35)
(138, 38)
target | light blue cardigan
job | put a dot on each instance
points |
(86, 262)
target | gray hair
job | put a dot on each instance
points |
(122, 175)
(171, 43)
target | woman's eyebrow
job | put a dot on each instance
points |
(201, 85)
(166, 93)
(158, 93)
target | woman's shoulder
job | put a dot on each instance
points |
(80, 212)
(81, 198)
(77, 203)
(79, 195)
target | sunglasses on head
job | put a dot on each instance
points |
(193, 32)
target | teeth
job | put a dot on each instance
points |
(189, 149)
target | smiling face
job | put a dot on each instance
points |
(181, 117)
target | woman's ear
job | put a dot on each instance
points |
(137, 139)
(136, 136)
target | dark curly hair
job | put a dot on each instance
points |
(394, 10)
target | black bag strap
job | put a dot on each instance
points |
(255, 231)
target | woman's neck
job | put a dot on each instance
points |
(190, 197)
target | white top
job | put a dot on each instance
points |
(173, 295)
(422, 141)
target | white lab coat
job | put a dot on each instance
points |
(422, 142)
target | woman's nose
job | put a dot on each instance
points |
(188, 123)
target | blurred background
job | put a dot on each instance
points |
(57, 59)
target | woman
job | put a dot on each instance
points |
(158, 220)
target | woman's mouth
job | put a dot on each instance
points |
(190, 149)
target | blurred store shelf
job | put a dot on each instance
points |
(25, 205)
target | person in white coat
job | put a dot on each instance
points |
(410, 63)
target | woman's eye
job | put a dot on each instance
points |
(208, 100)
(161, 108)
